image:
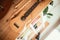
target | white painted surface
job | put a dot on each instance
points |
(55, 10)
(54, 35)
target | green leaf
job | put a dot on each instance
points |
(45, 11)
(50, 14)
(51, 3)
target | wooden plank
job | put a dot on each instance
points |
(18, 18)
(4, 7)
(5, 33)
(13, 32)
(12, 11)
(11, 35)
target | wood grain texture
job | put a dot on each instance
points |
(8, 30)
(6, 5)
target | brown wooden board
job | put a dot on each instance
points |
(10, 32)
